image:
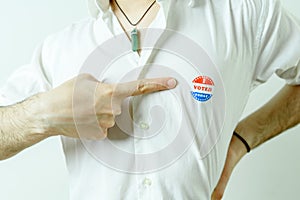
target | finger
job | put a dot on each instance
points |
(116, 109)
(223, 181)
(144, 86)
(104, 133)
(231, 161)
(106, 121)
(100, 136)
(221, 186)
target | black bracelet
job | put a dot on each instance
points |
(243, 141)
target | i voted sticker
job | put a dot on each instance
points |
(203, 87)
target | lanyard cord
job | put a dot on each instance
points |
(134, 24)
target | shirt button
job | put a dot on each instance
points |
(147, 182)
(144, 125)
(192, 3)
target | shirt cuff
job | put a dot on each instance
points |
(4, 100)
(291, 75)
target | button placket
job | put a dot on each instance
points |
(147, 182)
(143, 125)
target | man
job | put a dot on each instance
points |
(241, 51)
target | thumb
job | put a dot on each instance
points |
(235, 152)
(221, 186)
(144, 86)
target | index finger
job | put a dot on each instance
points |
(144, 86)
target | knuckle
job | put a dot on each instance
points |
(142, 87)
(111, 123)
(117, 112)
(218, 196)
(107, 123)
(103, 95)
(104, 133)
(107, 90)
(99, 137)
(86, 76)
(116, 109)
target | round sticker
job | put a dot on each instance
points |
(203, 87)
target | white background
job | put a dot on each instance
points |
(270, 172)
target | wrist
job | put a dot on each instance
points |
(249, 130)
(36, 115)
(237, 148)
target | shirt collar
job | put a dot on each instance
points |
(97, 7)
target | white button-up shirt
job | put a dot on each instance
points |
(170, 144)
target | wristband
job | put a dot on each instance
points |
(243, 141)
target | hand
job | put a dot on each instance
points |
(235, 152)
(279, 114)
(82, 98)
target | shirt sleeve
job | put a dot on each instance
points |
(278, 44)
(26, 81)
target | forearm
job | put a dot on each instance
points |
(52, 113)
(279, 114)
(20, 127)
